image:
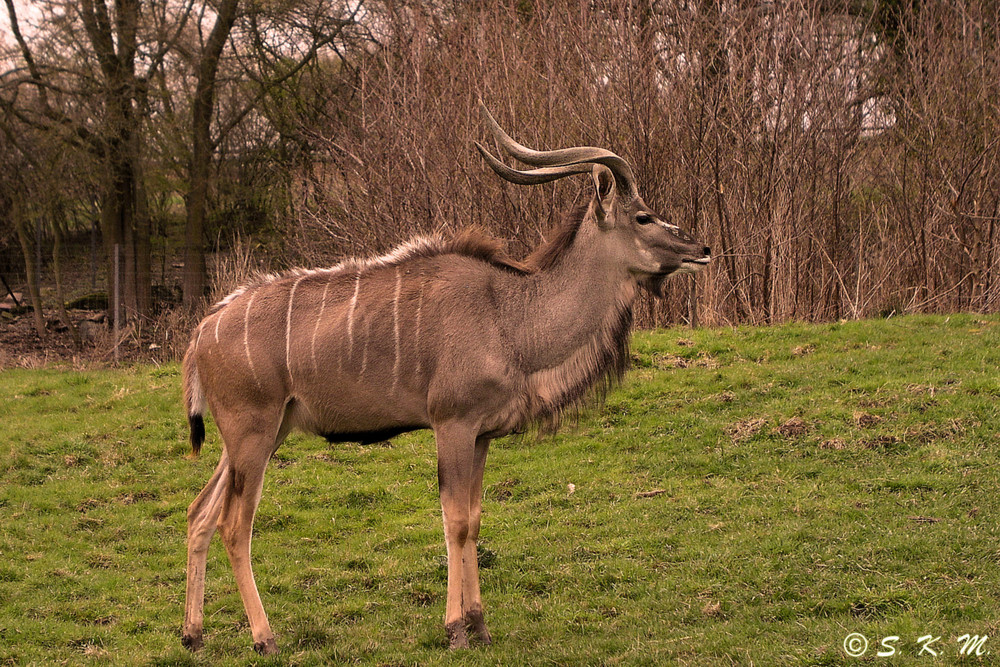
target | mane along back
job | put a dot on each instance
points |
(550, 253)
(470, 242)
(473, 242)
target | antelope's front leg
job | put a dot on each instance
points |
(456, 446)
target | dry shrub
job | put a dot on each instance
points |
(837, 168)
(235, 267)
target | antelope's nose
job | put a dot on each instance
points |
(707, 251)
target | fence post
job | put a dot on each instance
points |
(693, 303)
(116, 306)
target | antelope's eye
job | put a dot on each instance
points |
(644, 218)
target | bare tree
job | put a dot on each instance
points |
(90, 94)
(272, 47)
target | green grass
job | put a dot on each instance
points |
(747, 496)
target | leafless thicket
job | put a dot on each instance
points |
(842, 165)
(839, 156)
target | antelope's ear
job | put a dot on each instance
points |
(605, 192)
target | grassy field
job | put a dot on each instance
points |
(748, 496)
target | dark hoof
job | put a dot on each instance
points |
(266, 647)
(456, 635)
(476, 624)
(192, 642)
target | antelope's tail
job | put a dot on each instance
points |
(194, 401)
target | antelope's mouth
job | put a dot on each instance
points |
(655, 282)
(694, 265)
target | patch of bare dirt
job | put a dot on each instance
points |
(746, 429)
(671, 361)
(866, 420)
(793, 428)
(22, 347)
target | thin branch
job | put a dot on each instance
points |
(29, 59)
(156, 60)
(74, 133)
(269, 85)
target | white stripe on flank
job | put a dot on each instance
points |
(395, 328)
(288, 330)
(416, 332)
(201, 327)
(246, 338)
(350, 316)
(319, 318)
(364, 348)
(218, 318)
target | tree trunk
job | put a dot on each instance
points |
(202, 149)
(143, 245)
(194, 231)
(57, 271)
(124, 220)
(30, 269)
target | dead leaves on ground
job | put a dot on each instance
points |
(868, 434)
(672, 361)
(743, 430)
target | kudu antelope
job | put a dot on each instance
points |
(441, 334)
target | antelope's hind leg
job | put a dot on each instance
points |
(203, 514)
(228, 504)
(236, 531)
(257, 441)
